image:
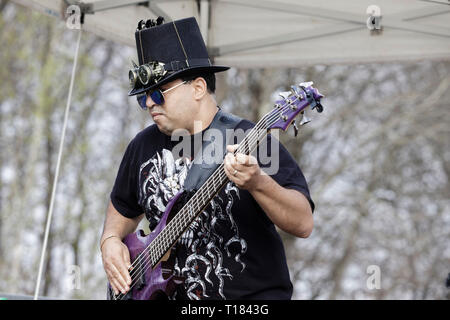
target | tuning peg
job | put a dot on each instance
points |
(285, 94)
(305, 119)
(295, 89)
(297, 92)
(319, 107)
(294, 125)
(306, 84)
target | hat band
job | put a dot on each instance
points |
(190, 63)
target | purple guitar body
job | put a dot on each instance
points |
(157, 282)
(151, 255)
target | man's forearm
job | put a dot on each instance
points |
(117, 225)
(287, 208)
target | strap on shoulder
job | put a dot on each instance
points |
(204, 165)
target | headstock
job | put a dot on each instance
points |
(293, 103)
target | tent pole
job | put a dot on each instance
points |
(58, 163)
(204, 20)
(110, 4)
(102, 5)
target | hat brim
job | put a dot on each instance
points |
(179, 74)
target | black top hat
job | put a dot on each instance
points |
(167, 51)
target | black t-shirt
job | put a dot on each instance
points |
(232, 250)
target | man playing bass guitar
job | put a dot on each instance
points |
(230, 249)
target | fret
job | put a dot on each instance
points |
(197, 207)
(205, 196)
(178, 227)
(152, 259)
(198, 198)
(208, 187)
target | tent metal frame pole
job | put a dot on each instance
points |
(334, 14)
(111, 4)
(204, 19)
(158, 11)
(284, 38)
(93, 7)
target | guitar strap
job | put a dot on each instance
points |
(205, 161)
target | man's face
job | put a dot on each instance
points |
(177, 111)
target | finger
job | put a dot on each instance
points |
(232, 165)
(231, 158)
(126, 259)
(246, 160)
(232, 147)
(240, 158)
(243, 159)
(252, 160)
(229, 171)
(115, 286)
(125, 279)
(117, 278)
(230, 161)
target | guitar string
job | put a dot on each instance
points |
(252, 137)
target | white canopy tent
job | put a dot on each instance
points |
(282, 33)
(270, 33)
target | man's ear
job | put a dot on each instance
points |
(200, 88)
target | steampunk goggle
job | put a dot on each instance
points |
(147, 73)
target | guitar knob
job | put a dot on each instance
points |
(295, 128)
(319, 107)
(305, 119)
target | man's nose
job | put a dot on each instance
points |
(149, 103)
